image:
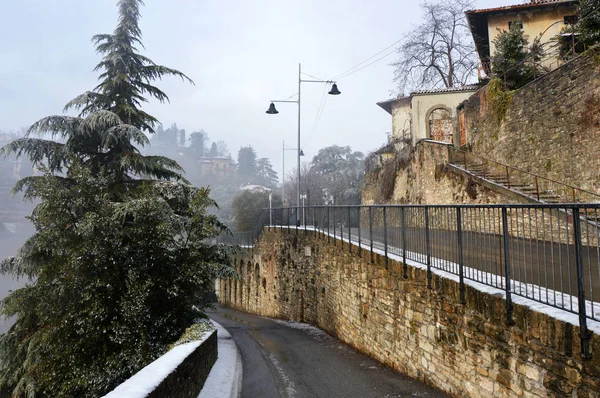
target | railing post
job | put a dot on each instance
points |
(385, 237)
(537, 188)
(288, 220)
(428, 247)
(328, 224)
(349, 232)
(584, 333)
(403, 227)
(342, 229)
(461, 271)
(304, 219)
(315, 221)
(334, 228)
(507, 288)
(371, 230)
(573, 189)
(359, 208)
(507, 178)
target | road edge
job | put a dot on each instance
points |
(225, 378)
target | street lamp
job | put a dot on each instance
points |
(273, 111)
(283, 168)
(303, 197)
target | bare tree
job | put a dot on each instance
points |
(440, 51)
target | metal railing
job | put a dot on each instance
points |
(536, 187)
(545, 253)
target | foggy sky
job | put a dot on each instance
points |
(241, 54)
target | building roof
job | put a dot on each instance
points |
(531, 4)
(387, 104)
(460, 89)
(258, 188)
(478, 22)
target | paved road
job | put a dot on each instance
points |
(283, 361)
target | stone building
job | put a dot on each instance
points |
(538, 18)
(428, 114)
(220, 166)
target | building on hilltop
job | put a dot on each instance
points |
(219, 166)
(538, 18)
(428, 114)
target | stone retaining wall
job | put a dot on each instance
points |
(551, 127)
(466, 350)
(180, 373)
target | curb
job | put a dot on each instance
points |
(225, 378)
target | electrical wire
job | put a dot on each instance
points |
(291, 96)
(314, 77)
(317, 118)
(369, 64)
(346, 72)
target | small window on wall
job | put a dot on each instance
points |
(570, 19)
(518, 24)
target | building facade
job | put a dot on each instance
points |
(428, 114)
(538, 18)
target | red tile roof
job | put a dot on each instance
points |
(532, 3)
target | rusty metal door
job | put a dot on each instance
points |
(440, 125)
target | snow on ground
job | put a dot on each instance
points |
(536, 297)
(146, 380)
(225, 378)
(310, 329)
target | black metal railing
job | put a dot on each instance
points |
(546, 253)
(541, 189)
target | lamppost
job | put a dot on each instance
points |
(270, 209)
(272, 111)
(303, 197)
(283, 169)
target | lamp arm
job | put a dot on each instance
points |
(317, 81)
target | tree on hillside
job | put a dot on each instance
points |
(168, 140)
(340, 172)
(589, 22)
(515, 62)
(252, 170)
(214, 151)
(310, 185)
(118, 262)
(247, 207)
(265, 175)
(222, 149)
(246, 165)
(334, 176)
(582, 33)
(439, 52)
(199, 142)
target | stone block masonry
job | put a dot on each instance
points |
(551, 126)
(466, 350)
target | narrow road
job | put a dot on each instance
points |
(283, 359)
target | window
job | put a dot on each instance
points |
(570, 19)
(519, 24)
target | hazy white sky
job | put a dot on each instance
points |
(240, 53)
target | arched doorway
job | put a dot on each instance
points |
(440, 125)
